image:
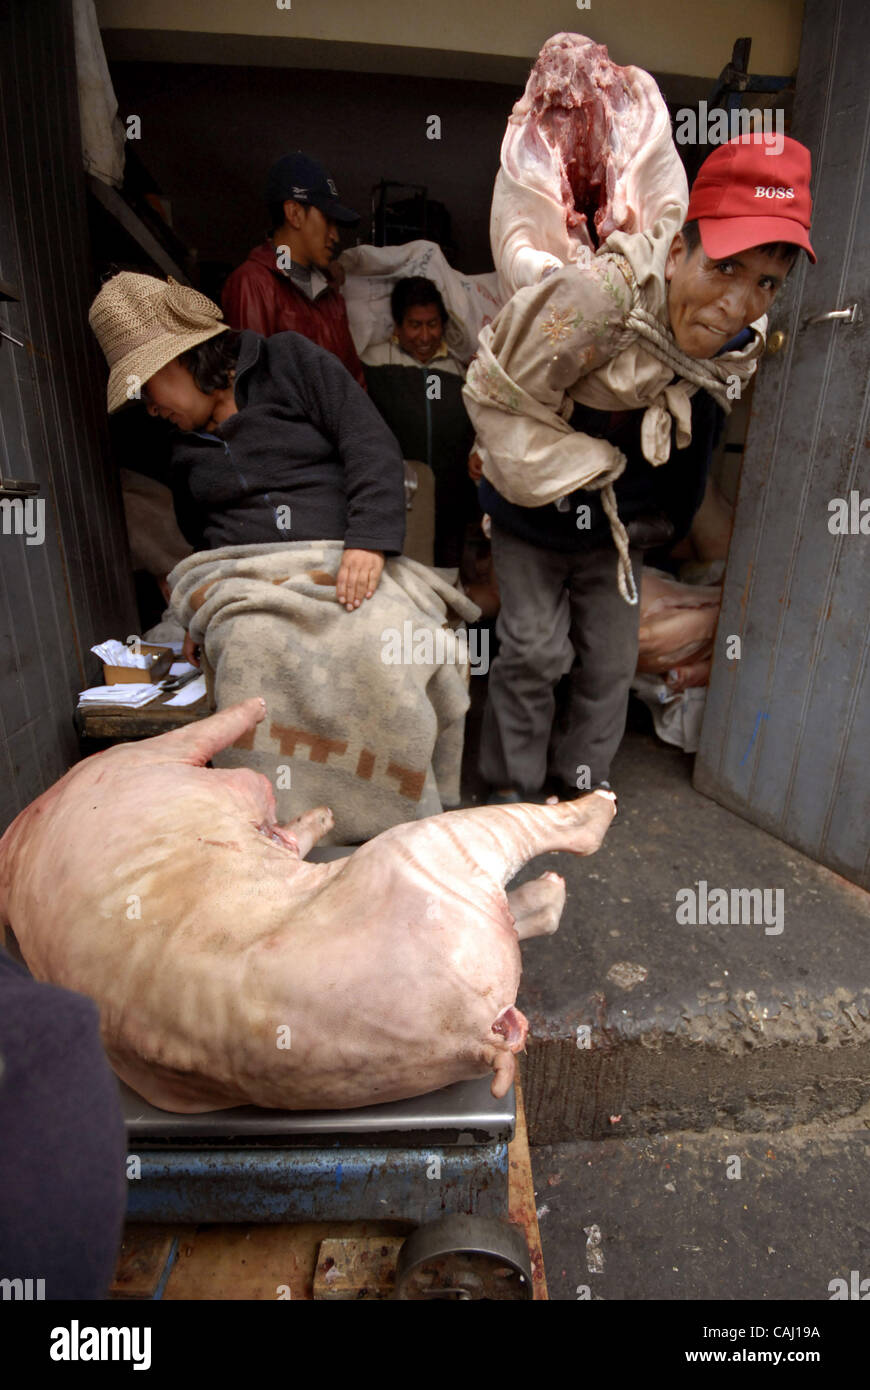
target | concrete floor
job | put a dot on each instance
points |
(719, 1215)
(660, 1053)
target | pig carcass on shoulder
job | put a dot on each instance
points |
(588, 151)
(229, 971)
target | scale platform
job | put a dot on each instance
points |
(409, 1160)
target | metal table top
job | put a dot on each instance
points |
(463, 1114)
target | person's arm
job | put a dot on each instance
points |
(373, 466)
(62, 1140)
(248, 300)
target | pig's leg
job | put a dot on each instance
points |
(304, 832)
(504, 1069)
(537, 906)
(197, 743)
(497, 841)
(501, 839)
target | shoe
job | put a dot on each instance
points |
(511, 796)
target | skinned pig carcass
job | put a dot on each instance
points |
(228, 971)
(677, 629)
(588, 151)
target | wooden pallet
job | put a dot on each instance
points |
(279, 1262)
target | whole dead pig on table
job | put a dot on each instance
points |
(228, 971)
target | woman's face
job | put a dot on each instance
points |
(172, 394)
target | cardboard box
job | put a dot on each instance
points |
(135, 675)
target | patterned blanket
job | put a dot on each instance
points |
(376, 738)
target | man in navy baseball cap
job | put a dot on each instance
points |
(302, 179)
(288, 281)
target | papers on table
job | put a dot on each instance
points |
(181, 668)
(114, 653)
(190, 693)
(130, 696)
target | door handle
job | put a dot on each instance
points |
(849, 315)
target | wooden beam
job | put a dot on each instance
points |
(122, 212)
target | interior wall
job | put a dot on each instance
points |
(660, 35)
(209, 135)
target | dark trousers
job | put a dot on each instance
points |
(519, 725)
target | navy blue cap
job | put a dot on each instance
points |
(303, 179)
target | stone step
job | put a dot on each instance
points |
(642, 1023)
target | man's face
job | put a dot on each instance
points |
(172, 394)
(421, 331)
(711, 301)
(314, 239)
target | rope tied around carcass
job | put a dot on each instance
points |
(709, 375)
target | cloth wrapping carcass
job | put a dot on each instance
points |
(379, 743)
(598, 335)
(472, 301)
(587, 139)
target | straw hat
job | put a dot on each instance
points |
(142, 323)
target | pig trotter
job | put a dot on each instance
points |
(536, 907)
(308, 828)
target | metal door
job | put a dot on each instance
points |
(786, 736)
(71, 586)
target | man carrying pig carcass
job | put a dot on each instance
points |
(596, 395)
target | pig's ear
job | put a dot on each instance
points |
(198, 742)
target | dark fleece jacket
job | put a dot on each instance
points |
(306, 457)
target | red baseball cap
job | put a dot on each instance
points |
(751, 191)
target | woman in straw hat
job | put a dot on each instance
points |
(276, 441)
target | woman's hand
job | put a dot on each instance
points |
(189, 650)
(358, 576)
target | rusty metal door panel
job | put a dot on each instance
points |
(786, 737)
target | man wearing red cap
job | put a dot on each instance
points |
(596, 396)
(287, 282)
